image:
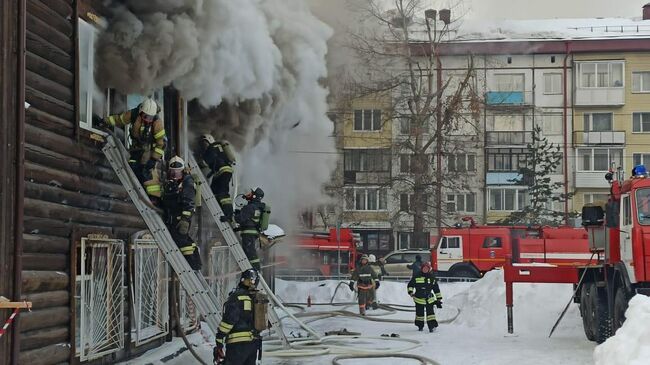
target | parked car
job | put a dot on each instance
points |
(397, 261)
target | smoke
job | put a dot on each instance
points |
(254, 68)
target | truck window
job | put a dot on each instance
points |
(453, 242)
(627, 211)
(643, 206)
(492, 242)
(443, 244)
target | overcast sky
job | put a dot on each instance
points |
(541, 9)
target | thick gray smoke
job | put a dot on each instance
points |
(254, 66)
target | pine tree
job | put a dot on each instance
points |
(542, 162)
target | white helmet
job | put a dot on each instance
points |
(175, 168)
(149, 107)
(372, 258)
(208, 138)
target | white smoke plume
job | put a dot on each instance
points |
(254, 66)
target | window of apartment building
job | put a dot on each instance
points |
(599, 159)
(509, 82)
(461, 162)
(406, 202)
(371, 199)
(507, 159)
(375, 240)
(506, 122)
(590, 198)
(641, 159)
(552, 124)
(641, 82)
(404, 240)
(408, 126)
(552, 83)
(598, 122)
(367, 120)
(362, 159)
(462, 203)
(404, 163)
(507, 199)
(641, 122)
(601, 74)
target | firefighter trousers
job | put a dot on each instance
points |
(221, 189)
(421, 317)
(365, 295)
(188, 247)
(150, 179)
(248, 244)
(242, 353)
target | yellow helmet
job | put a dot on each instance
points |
(175, 168)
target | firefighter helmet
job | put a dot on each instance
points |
(426, 268)
(249, 274)
(259, 193)
(372, 258)
(149, 107)
(176, 168)
(364, 257)
(208, 138)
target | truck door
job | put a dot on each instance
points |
(626, 236)
(491, 253)
(450, 252)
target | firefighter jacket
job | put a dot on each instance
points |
(365, 276)
(249, 217)
(424, 289)
(178, 200)
(144, 137)
(215, 158)
(238, 321)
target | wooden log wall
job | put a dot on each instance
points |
(68, 185)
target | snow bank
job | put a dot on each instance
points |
(536, 306)
(630, 345)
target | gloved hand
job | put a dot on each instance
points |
(439, 304)
(218, 354)
(351, 285)
(150, 164)
(377, 284)
(223, 218)
(183, 226)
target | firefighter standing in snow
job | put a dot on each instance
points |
(251, 223)
(237, 328)
(366, 280)
(219, 158)
(147, 134)
(178, 206)
(424, 290)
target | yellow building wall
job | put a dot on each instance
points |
(634, 102)
(366, 216)
(369, 139)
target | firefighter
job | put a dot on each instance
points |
(366, 280)
(178, 208)
(147, 134)
(219, 158)
(237, 328)
(250, 219)
(424, 290)
(415, 266)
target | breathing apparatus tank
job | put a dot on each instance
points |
(264, 219)
(228, 151)
(260, 307)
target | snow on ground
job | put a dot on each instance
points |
(630, 345)
(476, 337)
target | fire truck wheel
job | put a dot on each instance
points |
(620, 306)
(600, 314)
(586, 312)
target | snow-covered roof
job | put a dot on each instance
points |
(552, 29)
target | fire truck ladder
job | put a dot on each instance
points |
(193, 282)
(238, 253)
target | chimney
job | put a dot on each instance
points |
(646, 11)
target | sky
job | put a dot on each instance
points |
(541, 9)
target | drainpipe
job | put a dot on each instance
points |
(565, 122)
(20, 175)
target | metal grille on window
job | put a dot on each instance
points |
(189, 320)
(149, 282)
(224, 273)
(100, 298)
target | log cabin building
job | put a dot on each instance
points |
(66, 223)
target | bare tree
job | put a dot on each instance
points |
(401, 53)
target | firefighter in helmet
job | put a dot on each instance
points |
(147, 134)
(237, 328)
(366, 278)
(219, 158)
(178, 207)
(250, 219)
(424, 290)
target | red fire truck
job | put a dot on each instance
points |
(316, 253)
(471, 251)
(619, 264)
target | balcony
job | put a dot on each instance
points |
(504, 98)
(366, 177)
(599, 138)
(501, 178)
(590, 179)
(508, 138)
(600, 96)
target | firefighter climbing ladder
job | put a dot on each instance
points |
(238, 253)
